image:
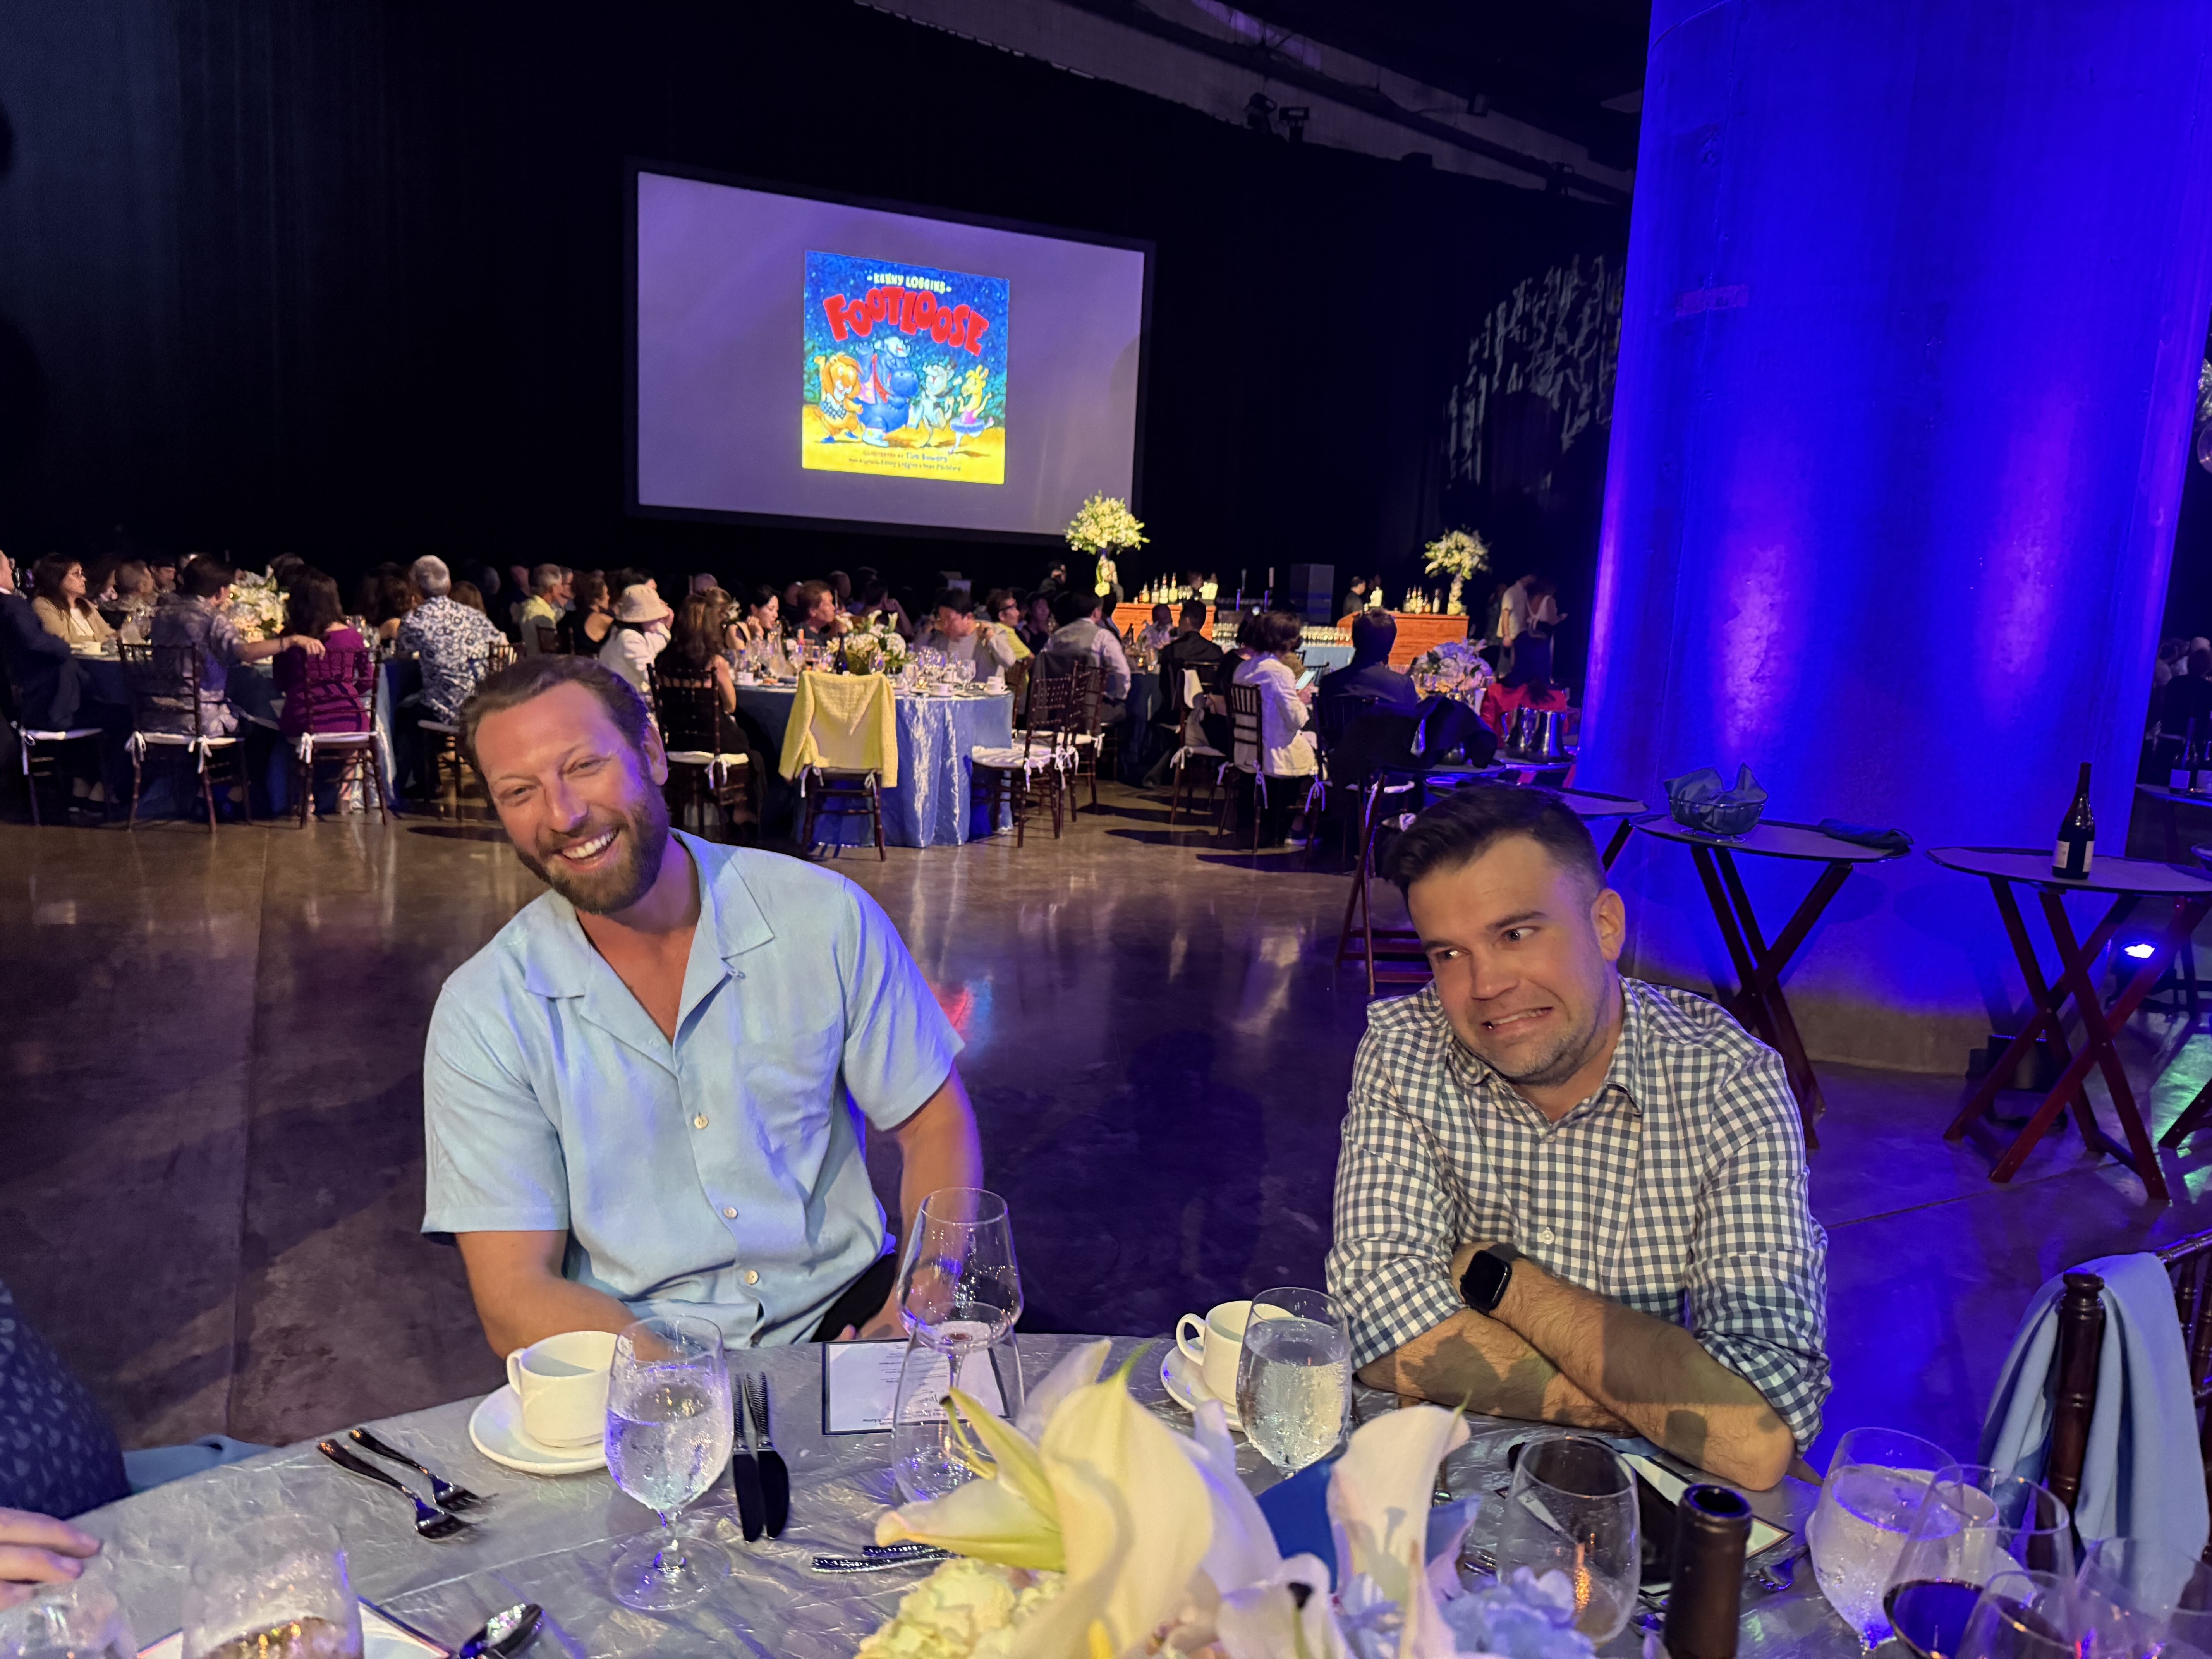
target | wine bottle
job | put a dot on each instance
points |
(1711, 1525)
(2077, 836)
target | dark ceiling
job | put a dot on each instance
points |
(1552, 63)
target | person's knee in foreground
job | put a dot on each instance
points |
(647, 1094)
(1565, 1196)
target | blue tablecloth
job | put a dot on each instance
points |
(933, 804)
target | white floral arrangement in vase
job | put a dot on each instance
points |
(256, 609)
(872, 648)
(1095, 1531)
(1102, 526)
(1457, 553)
(1455, 660)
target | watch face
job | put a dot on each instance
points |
(1485, 1282)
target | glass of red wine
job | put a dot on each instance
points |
(1975, 1522)
(2021, 1615)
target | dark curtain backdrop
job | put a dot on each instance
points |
(346, 279)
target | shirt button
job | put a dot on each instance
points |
(751, 1277)
(1546, 1235)
(731, 1215)
(700, 1122)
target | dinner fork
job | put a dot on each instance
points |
(429, 1522)
(443, 1492)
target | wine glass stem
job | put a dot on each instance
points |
(669, 1563)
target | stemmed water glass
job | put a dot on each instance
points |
(1876, 1483)
(275, 1586)
(1294, 1376)
(1572, 1508)
(960, 1293)
(1974, 1523)
(669, 1430)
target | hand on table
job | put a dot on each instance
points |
(37, 1549)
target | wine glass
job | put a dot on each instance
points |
(669, 1430)
(78, 1620)
(930, 1455)
(1294, 1376)
(959, 1285)
(2021, 1615)
(2158, 1598)
(1572, 1508)
(1974, 1522)
(1876, 1483)
(277, 1586)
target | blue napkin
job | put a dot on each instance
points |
(1298, 1513)
(1865, 835)
(1696, 800)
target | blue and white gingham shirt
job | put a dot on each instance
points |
(1678, 1188)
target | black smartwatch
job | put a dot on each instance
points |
(1482, 1286)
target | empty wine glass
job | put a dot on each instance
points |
(275, 1586)
(78, 1620)
(669, 1430)
(959, 1284)
(1876, 1483)
(1572, 1508)
(1974, 1523)
(930, 1454)
(2159, 1599)
(1294, 1376)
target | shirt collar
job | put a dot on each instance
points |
(558, 960)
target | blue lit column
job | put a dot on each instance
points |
(1917, 294)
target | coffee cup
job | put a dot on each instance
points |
(1214, 1344)
(562, 1381)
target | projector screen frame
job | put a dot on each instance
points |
(635, 164)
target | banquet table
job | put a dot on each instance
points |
(933, 804)
(549, 1540)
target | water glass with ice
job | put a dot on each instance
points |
(1294, 1376)
(1876, 1483)
(669, 1431)
(81, 1619)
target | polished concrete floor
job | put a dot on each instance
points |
(210, 1145)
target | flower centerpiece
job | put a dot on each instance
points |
(873, 648)
(256, 607)
(1454, 662)
(1102, 526)
(1095, 1531)
(1457, 553)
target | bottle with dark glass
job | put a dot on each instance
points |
(2077, 836)
(1712, 1525)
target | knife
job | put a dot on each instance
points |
(745, 1476)
(774, 1475)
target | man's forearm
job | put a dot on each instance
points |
(1476, 1363)
(1654, 1375)
(938, 1148)
(521, 1298)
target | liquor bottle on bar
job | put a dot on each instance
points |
(1711, 1525)
(2077, 836)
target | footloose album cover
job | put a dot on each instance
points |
(905, 371)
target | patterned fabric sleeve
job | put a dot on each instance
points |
(1758, 1285)
(1396, 1227)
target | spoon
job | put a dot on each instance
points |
(505, 1634)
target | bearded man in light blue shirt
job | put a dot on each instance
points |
(647, 1094)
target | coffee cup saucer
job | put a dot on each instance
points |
(495, 1429)
(1186, 1385)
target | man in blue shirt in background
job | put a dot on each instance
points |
(646, 1095)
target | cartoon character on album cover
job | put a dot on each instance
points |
(906, 370)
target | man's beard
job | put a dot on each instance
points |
(1555, 1065)
(640, 844)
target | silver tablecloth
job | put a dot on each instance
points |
(549, 1541)
(933, 804)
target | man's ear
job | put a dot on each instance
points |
(1609, 916)
(656, 757)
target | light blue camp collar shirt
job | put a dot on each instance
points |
(721, 1175)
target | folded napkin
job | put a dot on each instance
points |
(1865, 835)
(1697, 801)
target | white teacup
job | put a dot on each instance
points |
(745, 676)
(1217, 1347)
(561, 1382)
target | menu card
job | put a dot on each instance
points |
(859, 1384)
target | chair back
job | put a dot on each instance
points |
(339, 692)
(1049, 714)
(548, 638)
(1244, 725)
(164, 683)
(500, 654)
(690, 710)
(1086, 681)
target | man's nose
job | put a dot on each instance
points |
(1489, 977)
(564, 808)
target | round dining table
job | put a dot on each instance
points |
(549, 1539)
(933, 803)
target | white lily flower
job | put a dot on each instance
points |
(1378, 1508)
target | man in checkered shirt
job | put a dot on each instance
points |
(1613, 1170)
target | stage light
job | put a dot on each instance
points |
(1259, 110)
(1294, 116)
(2141, 950)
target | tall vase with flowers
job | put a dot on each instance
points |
(1104, 528)
(1457, 553)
